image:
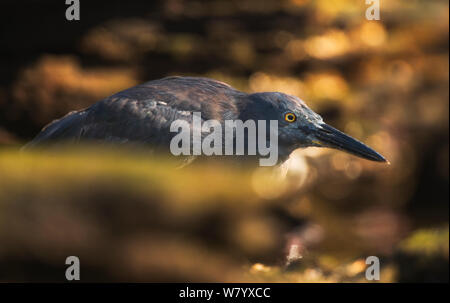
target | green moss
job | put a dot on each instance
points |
(427, 242)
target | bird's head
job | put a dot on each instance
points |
(299, 126)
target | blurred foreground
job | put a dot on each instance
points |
(129, 217)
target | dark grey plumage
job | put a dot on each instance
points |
(143, 114)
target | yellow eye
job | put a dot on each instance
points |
(290, 117)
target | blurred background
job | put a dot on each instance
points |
(129, 217)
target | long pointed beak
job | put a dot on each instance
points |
(330, 137)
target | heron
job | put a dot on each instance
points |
(143, 114)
